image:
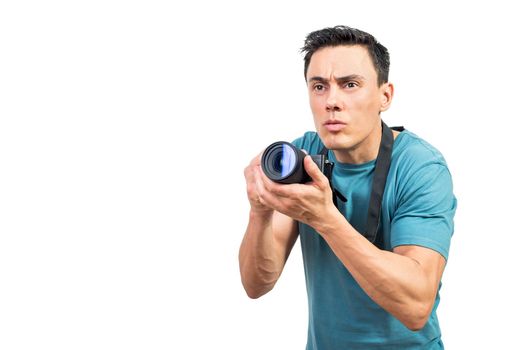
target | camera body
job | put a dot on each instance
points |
(284, 163)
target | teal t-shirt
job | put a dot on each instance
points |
(418, 209)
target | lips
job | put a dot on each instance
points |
(334, 125)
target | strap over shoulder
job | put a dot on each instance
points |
(380, 175)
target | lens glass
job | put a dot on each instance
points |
(284, 161)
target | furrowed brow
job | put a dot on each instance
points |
(350, 78)
(317, 79)
(339, 79)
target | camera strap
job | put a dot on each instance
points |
(380, 175)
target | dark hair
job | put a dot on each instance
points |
(343, 35)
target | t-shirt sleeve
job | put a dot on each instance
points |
(425, 210)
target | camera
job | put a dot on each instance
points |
(284, 163)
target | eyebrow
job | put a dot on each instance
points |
(339, 79)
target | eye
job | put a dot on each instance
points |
(318, 87)
(350, 84)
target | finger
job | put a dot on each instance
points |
(265, 195)
(249, 171)
(257, 160)
(259, 183)
(314, 172)
(279, 190)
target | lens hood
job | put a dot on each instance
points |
(284, 163)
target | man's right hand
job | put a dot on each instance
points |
(268, 240)
(251, 183)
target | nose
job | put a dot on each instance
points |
(333, 101)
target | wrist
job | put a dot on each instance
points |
(331, 223)
(260, 214)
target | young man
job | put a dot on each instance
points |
(363, 293)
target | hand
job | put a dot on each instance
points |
(310, 203)
(250, 171)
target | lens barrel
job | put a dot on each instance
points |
(284, 163)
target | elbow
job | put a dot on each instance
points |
(418, 317)
(256, 292)
(415, 325)
(256, 285)
(257, 282)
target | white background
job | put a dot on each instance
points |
(125, 128)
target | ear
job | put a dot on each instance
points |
(386, 92)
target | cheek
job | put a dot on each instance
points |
(366, 103)
(317, 107)
(314, 102)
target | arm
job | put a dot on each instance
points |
(267, 242)
(404, 282)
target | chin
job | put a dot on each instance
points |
(336, 141)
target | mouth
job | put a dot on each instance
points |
(334, 125)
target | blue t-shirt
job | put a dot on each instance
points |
(418, 209)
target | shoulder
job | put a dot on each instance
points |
(414, 152)
(418, 169)
(413, 157)
(424, 203)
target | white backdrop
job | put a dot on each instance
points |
(125, 128)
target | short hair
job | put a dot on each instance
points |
(347, 36)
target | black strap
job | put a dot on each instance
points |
(336, 193)
(379, 182)
(380, 175)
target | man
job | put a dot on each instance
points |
(362, 293)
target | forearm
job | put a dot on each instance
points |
(397, 283)
(260, 261)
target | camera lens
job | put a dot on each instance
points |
(282, 162)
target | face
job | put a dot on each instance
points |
(346, 101)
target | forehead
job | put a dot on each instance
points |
(341, 61)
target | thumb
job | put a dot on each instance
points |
(313, 171)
